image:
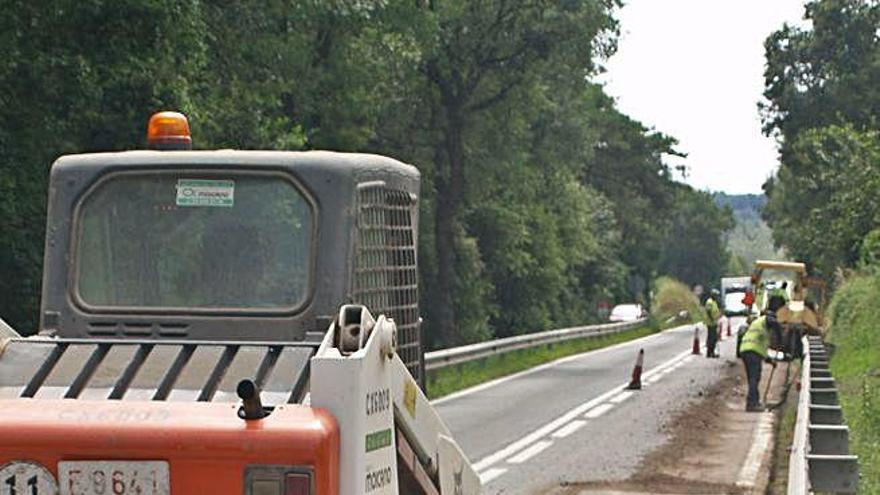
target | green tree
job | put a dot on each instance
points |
(822, 212)
(822, 102)
(77, 76)
(694, 251)
(628, 169)
(485, 54)
(824, 74)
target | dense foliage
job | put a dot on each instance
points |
(822, 103)
(671, 297)
(539, 197)
(856, 367)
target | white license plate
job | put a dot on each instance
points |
(113, 478)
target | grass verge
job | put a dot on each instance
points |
(672, 297)
(784, 436)
(444, 381)
(855, 364)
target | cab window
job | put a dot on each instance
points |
(197, 241)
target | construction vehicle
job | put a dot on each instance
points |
(206, 327)
(800, 315)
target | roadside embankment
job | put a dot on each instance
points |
(671, 298)
(854, 316)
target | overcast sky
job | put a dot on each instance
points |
(693, 69)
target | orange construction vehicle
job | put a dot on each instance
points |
(207, 327)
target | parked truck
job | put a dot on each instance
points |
(732, 291)
(207, 326)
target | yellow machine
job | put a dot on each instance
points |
(804, 296)
(768, 278)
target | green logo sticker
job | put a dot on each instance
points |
(378, 440)
(197, 192)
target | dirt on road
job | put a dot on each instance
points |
(714, 446)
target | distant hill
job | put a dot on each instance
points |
(751, 239)
(745, 206)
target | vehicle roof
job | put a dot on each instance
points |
(329, 161)
(627, 306)
(790, 266)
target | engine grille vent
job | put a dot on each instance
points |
(386, 271)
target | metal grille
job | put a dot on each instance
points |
(156, 370)
(386, 272)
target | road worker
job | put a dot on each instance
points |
(749, 299)
(781, 291)
(754, 347)
(713, 314)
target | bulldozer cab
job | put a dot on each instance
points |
(172, 249)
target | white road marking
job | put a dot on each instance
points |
(654, 378)
(760, 442)
(598, 411)
(530, 452)
(498, 381)
(569, 429)
(622, 397)
(491, 474)
(559, 422)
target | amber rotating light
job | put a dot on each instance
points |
(168, 131)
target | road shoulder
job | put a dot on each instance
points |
(713, 446)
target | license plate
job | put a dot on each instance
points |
(113, 478)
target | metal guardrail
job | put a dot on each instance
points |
(820, 459)
(457, 355)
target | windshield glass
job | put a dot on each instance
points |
(733, 302)
(172, 241)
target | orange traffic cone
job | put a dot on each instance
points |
(636, 382)
(696, 349)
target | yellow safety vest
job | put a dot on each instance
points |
(712, 311)
(757, 338)
(780, 292)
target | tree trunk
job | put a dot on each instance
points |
(448, 185)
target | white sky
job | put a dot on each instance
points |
(693, 69)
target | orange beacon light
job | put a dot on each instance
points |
(168, 131)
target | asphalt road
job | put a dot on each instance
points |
(571, 420)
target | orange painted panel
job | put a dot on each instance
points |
(206, 445)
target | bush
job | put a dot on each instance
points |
(855, 364)
(671, 297)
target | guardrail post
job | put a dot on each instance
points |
(820, 460)
(834, 473)
(825, 414)
(829, 439)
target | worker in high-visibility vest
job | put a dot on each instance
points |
(713, 314)
(781, 291)
(754, 347)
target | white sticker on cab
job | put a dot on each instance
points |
(200, 192)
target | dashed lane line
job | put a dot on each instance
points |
(490, 474)
(526, 441)
(530, 452)
(598, 411)
(569, 429)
